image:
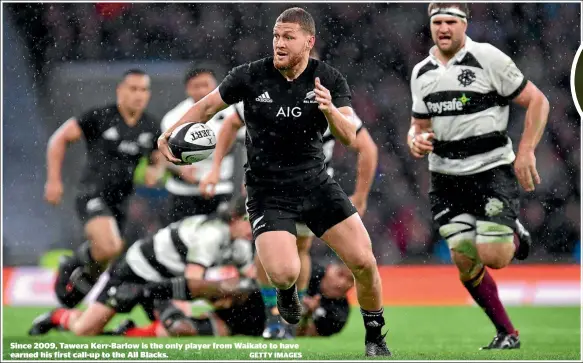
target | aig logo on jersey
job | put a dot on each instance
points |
(289, 112)
(456, 104)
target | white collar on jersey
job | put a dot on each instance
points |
(457, 57)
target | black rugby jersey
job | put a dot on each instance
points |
(285, 128)
(114, 149)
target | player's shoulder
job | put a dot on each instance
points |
(255, 68)
(485, 53)
(422, 67)
(323, 69)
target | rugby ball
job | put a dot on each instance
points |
(192, 142)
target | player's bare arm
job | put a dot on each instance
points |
(366, 167)
(419, 137)
(69, 132)
(202, 111)
(225, 139)
(537, 112)
(338, 118)
(155, 170)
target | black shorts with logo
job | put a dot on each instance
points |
(279, 209)
(491, 196)
(117, 292)
(91, 205)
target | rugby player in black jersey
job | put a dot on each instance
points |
(117, 137)
(367, 151)
(289, 101)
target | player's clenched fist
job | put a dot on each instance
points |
(53, 191)
(421, 144)
(323, 96)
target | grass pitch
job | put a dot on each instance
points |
(415, 333)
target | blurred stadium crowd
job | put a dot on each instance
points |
(375, 46)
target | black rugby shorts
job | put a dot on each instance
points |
(490, 196)
(320, 208)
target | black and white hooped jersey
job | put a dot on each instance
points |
(285, 127)
(114, 149)
(198, 240)
(175, 184)
(467, 101)
(328, 138)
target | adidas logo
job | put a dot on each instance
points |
(373, 324)
(264, 97)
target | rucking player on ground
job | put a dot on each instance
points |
(461, 97)
(326, 309)
(176, 258)
(289, 101)
(117, 137)
(185, 196)
(366, 167)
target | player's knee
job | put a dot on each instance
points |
(495, 244)
(362, 264)
(284, 276)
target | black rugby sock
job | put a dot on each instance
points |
(373, 323)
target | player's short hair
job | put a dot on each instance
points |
(131, 72)
(298, 16)
(197, 71)
(134, 71)
(462, 6)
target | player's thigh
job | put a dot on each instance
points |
(278, 253)
(351, 242)
(496, 213)
(332, 217)
(93, 320)
(451, 213)
(100, 224)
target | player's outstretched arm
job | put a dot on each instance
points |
(537, 112)
(366, 167)
(225, 139)
(419, 137)
(339, 119)
(202, 111)
(68, 133)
